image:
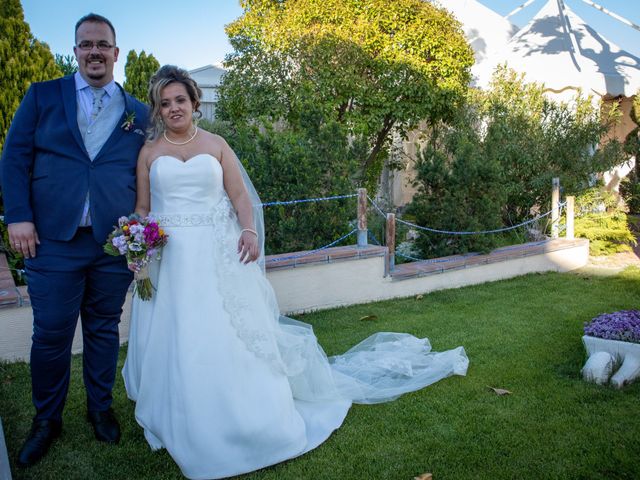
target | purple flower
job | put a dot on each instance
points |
(623, 325)
(136, 228)
(120, 242)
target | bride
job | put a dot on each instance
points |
(220, 379)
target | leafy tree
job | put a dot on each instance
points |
(536, 139)
(23, 58)
(138, 71)
(67, 64)
(373, 66)
(494, 162)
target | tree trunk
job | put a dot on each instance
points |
(381, 137)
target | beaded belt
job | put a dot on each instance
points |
(221, 212)
(184, 219)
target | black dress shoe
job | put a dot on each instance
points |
(42, 434)
(105, 426)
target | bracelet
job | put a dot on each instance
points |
(249, 230)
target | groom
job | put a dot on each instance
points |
(68, 173)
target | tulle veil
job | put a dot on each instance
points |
(379, 369)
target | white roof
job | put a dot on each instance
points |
(207, 76)
(486, 31)
(562, 51)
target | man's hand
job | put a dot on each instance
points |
(23, 238)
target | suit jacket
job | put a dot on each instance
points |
(46, 171)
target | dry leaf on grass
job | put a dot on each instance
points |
(424, 476)
(500, 391)
(419, 297)
(369, 317)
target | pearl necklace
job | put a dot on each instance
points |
(164, 134)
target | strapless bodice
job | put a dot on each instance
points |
(192, 186)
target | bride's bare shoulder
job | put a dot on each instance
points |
(214, 138)
(216, 144)
(149, 152)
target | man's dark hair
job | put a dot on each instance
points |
(95, 18)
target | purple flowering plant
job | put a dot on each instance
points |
(140, 240)
(623, 325)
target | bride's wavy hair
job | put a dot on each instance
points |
(166, 75)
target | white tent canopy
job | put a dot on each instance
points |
(486, 31)
(562, 51)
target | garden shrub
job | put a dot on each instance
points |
(493, 164)
(599, 218)
(316, 159)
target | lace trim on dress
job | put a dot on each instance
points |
(258, 342)
(238, 307)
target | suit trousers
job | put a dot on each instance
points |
(65, 280)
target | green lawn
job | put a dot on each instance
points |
(522, 335)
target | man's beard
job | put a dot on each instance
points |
(94, 75)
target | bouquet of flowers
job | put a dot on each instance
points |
(140, 240)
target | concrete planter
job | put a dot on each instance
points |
(607, 356)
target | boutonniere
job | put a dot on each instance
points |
(128, 123)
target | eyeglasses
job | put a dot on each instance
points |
(88, 45)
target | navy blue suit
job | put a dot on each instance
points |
(46, 174)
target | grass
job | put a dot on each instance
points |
(522, 335)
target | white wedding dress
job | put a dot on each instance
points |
(220, 380)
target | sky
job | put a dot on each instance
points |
(190, 33)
